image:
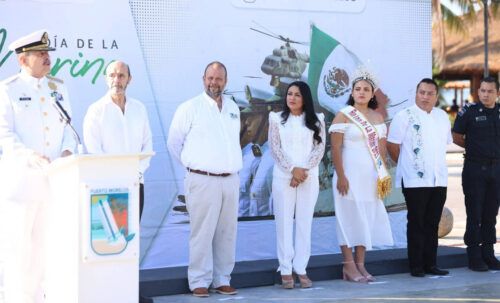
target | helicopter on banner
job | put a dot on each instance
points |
(285, 61)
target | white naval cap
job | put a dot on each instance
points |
(36, 41)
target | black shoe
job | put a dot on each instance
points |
(436, 271)
(143, 299)
(492, 263)
(417, 272)
(477, 264)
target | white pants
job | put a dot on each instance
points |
(212, 203)
(289, 201)
(25, 255)
(24, 197)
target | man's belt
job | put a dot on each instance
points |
(484, 161)
(205, 173)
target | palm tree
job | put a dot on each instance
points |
(443, 16)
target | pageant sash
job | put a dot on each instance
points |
(384, 184)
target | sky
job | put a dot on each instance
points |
(453, 6)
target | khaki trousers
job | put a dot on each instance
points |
(212, 203)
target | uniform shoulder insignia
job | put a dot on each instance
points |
(465, 108)
(10, 79)
(55, 79)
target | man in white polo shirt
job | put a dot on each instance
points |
(417, 141)
(205, 137)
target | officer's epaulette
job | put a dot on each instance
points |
(10, 79)
(55, 79)
(465, 107)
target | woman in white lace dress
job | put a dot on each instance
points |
(362, 220)
(297, 141)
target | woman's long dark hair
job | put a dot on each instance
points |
(373, 103)
(311, 120)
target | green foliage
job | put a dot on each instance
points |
(456, 22)
(468, 13)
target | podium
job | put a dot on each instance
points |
(93, 229)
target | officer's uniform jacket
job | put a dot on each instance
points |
(481, 127)
(28, 118)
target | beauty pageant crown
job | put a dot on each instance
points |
(362, 73)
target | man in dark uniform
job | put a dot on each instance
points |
(477, 128)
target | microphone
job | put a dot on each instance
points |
(62, 112)
(65, 117)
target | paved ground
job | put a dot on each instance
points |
(461, 286)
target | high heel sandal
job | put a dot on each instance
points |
(305, 282)
(362, 270)
(287, 281)
(347, 277)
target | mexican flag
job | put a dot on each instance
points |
(330, 69)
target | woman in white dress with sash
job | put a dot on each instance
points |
(361, 180)
(297, 142)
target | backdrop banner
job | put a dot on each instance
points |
(265, 45)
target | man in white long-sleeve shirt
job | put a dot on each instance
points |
(204, 136)
(117, 123)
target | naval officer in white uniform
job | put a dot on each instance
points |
(31, 135)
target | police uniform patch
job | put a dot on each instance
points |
(464, 108)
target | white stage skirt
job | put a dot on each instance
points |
(256, 240)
